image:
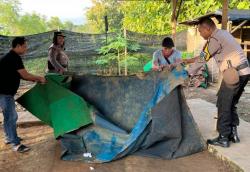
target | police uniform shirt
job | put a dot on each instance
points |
(222, 46)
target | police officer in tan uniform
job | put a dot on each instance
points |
(57, 58)
(234, 66)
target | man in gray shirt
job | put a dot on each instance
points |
(167, 56)
(222, 46)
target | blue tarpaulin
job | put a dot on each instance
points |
(142, 115)
(145, 114)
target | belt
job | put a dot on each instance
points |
(242, 66)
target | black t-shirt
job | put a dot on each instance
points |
(9, 76)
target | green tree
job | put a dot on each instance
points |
(101, 8)
(68, 25)
(54, 23)
(239, 4)
(155, 19)
(12, 22)
(9, 16)
(32, 24)
(113, 55)
(152, 17)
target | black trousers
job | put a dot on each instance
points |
(228, 97)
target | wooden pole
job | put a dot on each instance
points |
(239, 26)
(173, 20)
(125, 53)
(119, 65)
(224, 15)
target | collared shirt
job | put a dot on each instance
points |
(159, 59)
(222, 46)
(9, 76)
(57, 58)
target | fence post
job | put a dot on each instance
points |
(125, 52)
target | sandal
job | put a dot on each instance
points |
(21, 148)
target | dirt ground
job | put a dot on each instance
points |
(45, 157)
(45, 153)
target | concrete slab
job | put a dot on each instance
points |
(247, 89)
(238, 155)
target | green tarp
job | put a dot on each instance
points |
(54, 104)
(148, 66)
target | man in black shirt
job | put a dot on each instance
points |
(11, 71)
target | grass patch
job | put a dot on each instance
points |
(186, 55)
(36, 66)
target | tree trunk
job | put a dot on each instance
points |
(224, 15)
(173, 20)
